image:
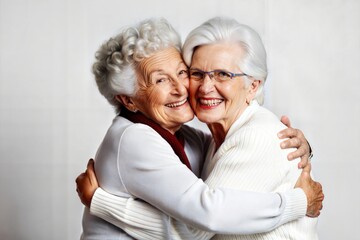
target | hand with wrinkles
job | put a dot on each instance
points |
(295, 139)
(312, 189)
(86, 184)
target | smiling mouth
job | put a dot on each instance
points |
(210, 102)
(176, 104)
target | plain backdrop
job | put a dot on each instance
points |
(52, 117)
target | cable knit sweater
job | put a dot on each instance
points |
(249, 159)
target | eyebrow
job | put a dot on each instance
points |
(161, 71)
(157, 71)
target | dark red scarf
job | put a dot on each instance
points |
(176, 142)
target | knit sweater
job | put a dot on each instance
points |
(251, 159)
(120, 175)
(219, 209)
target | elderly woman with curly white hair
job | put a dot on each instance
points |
(149, 154)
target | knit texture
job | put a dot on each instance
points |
(251, 159)
(182, 195)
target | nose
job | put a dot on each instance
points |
(209, 75)
(207, 85)
(180, 87)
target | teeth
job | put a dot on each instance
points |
(211, 102)
(177, 104)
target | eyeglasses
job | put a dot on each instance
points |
(218, 75)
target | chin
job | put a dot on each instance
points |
(188, 117)
(206, 118)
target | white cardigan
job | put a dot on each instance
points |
(148, 169)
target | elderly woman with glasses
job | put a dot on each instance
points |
(141, 153)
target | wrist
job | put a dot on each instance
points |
(90, 197)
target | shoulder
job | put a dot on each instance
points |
(122, 128)
(127, 136)
(141, 148)
(264, 122)
(260, 125)
(140, 135)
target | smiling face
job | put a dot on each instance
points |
(163, 89)
(219, 103)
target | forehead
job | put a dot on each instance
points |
(223, 55)
(162, 60)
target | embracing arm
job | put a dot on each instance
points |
(143, 221)
(137, 218)
(159, 179)
(193, 202)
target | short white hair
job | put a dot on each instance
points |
(221, 29)
(114, 68)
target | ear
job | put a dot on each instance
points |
(127, 102)
(254, 86)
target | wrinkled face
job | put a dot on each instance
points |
(163, 89)
(218, 102)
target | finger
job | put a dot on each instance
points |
(90, 171)
(303, 162)
(288, 133)
(286, 121)
(79, 178)
(90, 164)
(322, 196)
(291, 143)
(307, 169)
(298, 153)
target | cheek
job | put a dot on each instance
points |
(232, 94)
(192, 94)
(186, 83)
(193, 87)
(238, 98)
(157, 97)
(233, 91)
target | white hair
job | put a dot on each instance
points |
(221, 29)
(114, 68)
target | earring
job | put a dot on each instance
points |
(247, 101)
(134, 110)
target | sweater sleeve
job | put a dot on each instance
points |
(252, 160)
(141, 220)
(156, 175)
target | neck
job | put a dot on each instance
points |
(218, 132)
(173, 130)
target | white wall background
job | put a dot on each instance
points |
(52, 118)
